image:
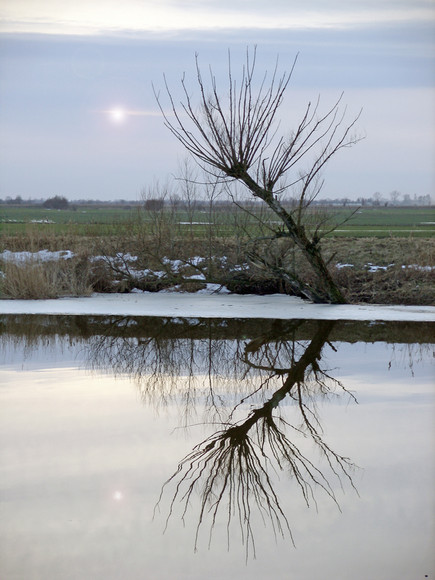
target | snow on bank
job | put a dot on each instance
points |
(124, 261)
(41, 256)
(214, 306)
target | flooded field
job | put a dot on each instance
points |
(189, 448)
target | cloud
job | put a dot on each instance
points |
(112, 17)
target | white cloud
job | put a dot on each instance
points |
(110, 16)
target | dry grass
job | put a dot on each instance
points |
(35, 242)
(381, 251)
(398, 284)
(392, 286)
(33, 279)
(408, 277)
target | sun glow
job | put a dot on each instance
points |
(120, 114)
(117, 115)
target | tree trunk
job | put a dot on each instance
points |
(330, 293)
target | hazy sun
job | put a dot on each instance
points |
(117, 115)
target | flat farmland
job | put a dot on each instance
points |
(110, 220)
(394, 221)
(86, 220)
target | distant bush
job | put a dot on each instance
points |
(154, 204)
(56, 202)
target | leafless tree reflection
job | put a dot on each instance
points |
(260, 398)
(233, 469)
(172, 368)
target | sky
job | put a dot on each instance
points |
(79, 118)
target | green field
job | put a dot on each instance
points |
(108, 220)
(395, 221)
(83, 221)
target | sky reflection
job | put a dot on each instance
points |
(84, 458)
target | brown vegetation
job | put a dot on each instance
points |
(33, 279)
(408, 277)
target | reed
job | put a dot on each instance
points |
(36, 279)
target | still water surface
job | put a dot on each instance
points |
(178, 448)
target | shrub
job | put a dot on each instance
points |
(56, 202)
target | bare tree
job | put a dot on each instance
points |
(395, 196)
(377, 198)
(235, 137)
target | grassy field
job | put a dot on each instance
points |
(106, 221)
(394, 221)
(88, 220)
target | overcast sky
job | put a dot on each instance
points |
(64, 66)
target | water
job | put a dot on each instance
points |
(182, 448)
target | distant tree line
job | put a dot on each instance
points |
(393, 199)
(60, 202)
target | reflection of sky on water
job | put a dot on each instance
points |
(42, 355)
(407, 370)
(361, 360)
(83, 461)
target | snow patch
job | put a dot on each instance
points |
(41, 256)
